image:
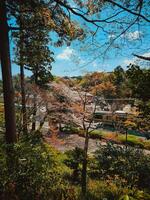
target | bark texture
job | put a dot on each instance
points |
(8, 91)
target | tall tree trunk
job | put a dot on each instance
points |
(126, 138)
(10, 122)
(34, 105)
(22, 81)
(34, 113)
(84, 165)
(24, 111)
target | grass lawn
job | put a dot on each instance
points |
(132, 140)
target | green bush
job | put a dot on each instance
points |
(74, 160)
(70, 129)
(147, 145)
(31, 170)
(96, 134)
(114, 190)
(130, 164)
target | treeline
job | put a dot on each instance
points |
(125, 84)
(131, 82)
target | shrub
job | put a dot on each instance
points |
(69, 129)
(113, 190)
(130, 164)
(96, 134)
(32, 171)
(74, 161)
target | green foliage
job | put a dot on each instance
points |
(96, 134)
(32, 50)
(139, 80)
(120, 80)
(74, 160)
(130, 164)
(1, 116)
(31, 170)
(132, 140)
(113, 190)
(70, 129)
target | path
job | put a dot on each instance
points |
(67, 142)
(70, 141)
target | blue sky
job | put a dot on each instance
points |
(72, 61)
(82, 57)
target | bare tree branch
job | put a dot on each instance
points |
(130, 11)
(93, 21)
(142, 57)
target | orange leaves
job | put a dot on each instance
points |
(99, 83)
(47, 16)
(17, 94)
(129, 124)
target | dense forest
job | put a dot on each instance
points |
(84, 137)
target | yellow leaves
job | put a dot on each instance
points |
(129, 124)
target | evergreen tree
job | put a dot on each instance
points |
(10, 122)
(32, 43)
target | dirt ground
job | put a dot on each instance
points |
(65, 142)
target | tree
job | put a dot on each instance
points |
(59, 106)
(33, 43)
(74, 161)
(22, 78)
(86, 116)
(10, 123)
(59, 19)
(63, 108)
(139, 81)
(130, 164)
(33, 38)
(32, 53)
(105, 89)
(119, 19)
(60, 24)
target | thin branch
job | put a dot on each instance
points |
(93, 21)
(12, 28)
(129, 11)
(122, 33)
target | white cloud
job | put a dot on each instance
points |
(132, 35)
(128, 61)
(95, 64)
(146, 54)
(111, 36)
(135, 60)
(65, 54)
